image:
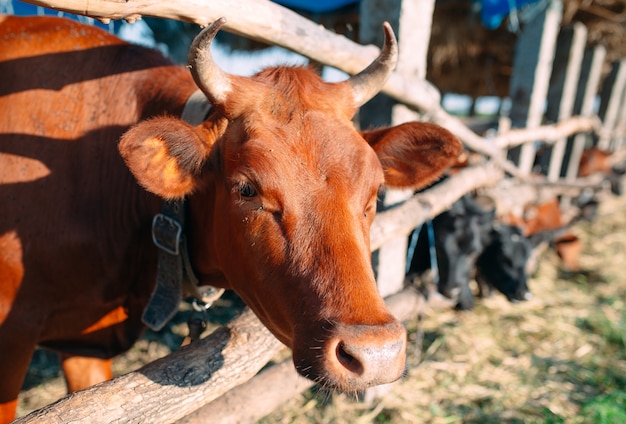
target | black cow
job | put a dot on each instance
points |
(460, 234)
(469, 242)
(502, 263)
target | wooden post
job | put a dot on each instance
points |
(588, 85)
(411, 19)
(610, 101)
(532, 66)
(563, 85)
(620, 127)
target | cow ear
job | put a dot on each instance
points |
(414, 154)
(166, 155)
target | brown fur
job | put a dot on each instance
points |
(594, 160)
(281, 194)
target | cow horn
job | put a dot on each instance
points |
(367, 83)
(210, 78)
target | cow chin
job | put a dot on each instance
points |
(350, 358)
(515, 289)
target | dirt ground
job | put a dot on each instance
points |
(558, 358)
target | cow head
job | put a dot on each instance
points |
(282, 192)
(502, 264)
(461, 233)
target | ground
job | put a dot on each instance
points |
(558, 358)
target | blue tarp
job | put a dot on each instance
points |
(316, 6)
(493, 12)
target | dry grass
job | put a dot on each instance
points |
(553, 359)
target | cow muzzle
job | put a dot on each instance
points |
(354, 357)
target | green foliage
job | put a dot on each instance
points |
(606, 409)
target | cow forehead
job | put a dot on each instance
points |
(312, 146)
(287, 90)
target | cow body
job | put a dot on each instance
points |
(75, 248)
(470, 242)
(596, 161)
(544, 223)
(502, 264)
(280, 190)
(460, 234)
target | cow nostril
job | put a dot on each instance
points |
(351, 363)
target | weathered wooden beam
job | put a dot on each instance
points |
(548, 133)
(174, 386)
(588, 85)
(611, 101)
(402, 219)
(562, 90)
(268, 22)
(411, 20)
(260, 20)
(254, 399)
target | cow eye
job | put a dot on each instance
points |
(370, 209)
(371, 206)
(380, 193)
(247, 190)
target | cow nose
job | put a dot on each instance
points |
(364, 356)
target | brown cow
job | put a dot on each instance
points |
(280, 194)
(609, 164)
(547, 218)
(594, 160)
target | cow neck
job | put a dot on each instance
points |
(175, 275)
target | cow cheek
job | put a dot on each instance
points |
(270, 308)
(253, 259)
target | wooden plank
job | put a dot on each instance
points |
(620, 126)
(172, 387)
(563, 86)
(588, 84)
(389, 262)
(610, 103)
(532, 66)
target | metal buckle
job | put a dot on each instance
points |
(166, 234)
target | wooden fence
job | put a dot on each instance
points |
(556, 80)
